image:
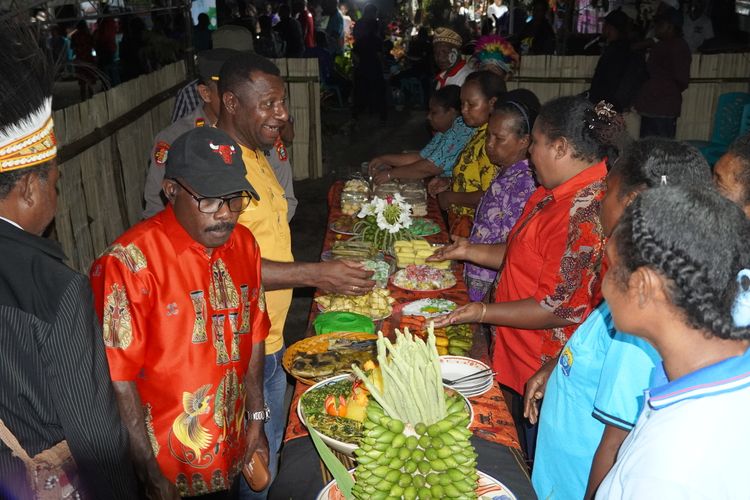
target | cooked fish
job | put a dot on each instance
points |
(338, 359)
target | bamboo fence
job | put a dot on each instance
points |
(303, 92)
(102, 174)
(710, 76)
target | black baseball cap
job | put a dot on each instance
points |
(210, 162)
(211, 61)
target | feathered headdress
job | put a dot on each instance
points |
(26, 136)
(496, 50)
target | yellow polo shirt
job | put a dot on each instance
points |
(266, 218)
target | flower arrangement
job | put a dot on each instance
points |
(384, 221)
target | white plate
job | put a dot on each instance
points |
(489, 489)
(475, 385)
(454, 367)
(477, 392)
(443, 306)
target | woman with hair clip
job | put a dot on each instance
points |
(671, 284)
(596, 385)
(550, 264)
(473, 170)
(507, 145)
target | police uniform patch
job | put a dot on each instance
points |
(160, 153)
(200, 122)
(281, 151)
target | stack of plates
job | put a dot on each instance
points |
(455, 367)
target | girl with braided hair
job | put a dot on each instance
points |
(549, 266)
(670, 283)
(596, 384)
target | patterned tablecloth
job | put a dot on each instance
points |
(492, 421)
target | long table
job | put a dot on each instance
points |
(495, 438)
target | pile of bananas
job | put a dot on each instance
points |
(376, 303)
(415, 252)
(426, 462)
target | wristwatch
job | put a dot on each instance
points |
(263, 415)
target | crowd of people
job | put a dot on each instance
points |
(612, 275)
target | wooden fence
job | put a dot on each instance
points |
(710, 76)
(104, 158)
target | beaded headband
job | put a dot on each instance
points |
(30, 142)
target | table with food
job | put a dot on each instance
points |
(385, 405)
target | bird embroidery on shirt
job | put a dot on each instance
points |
(186, 427)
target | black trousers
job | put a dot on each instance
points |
(658, 127)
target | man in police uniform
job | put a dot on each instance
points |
(209, 65)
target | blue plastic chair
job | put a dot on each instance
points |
(727, 120)
(745, 121)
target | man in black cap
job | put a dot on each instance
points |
(184, 324)
(209, 66)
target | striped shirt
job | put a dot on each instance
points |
(187, 100)
(54, 377)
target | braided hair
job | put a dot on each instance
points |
(593, 132)
(674, 231)
(656, 161)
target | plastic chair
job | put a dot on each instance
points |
(727, 121)
(745, 120)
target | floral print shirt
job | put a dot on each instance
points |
(473, 170)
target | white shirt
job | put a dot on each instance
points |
(11, 222)
(697, 31)
(496, 11)
(691, 441)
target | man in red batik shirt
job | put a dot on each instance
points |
(184, 324)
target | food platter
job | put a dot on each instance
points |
(343, 225)
(429, 308)
(489, 488)
(375, 304)
(423, 278)
(317, 346)
(423, 227)
(347, 448)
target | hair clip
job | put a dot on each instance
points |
(663, 180)
(741, 306)
(605, 110)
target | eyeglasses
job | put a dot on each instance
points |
(208, 205)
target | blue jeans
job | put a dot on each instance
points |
(274, 389)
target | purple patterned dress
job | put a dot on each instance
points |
(497, 213)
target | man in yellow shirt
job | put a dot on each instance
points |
(253, 111)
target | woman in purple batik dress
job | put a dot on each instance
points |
(508, 139)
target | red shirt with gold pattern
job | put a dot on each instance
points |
(554, 256)
(181, 323)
